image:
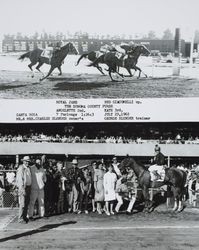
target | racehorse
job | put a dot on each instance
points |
(128, 63)
(175, 178)
(93, 56)
(55, 62)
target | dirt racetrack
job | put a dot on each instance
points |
(85, 82)
(161, 229)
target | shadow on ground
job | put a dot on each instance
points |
(36, 231)
(5, 87)
(77, 86)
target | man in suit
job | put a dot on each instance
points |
(74, 174)
(23, 183)
(37, 188)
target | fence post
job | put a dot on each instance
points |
(17, 159)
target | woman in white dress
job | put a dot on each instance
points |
(110, 179)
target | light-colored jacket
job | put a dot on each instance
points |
(38, 177)
(23, 177)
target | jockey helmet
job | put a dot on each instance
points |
(131, 43)
(157, 148)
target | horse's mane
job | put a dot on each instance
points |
(137, 162)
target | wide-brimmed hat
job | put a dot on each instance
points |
(26, 158)
(74, 162)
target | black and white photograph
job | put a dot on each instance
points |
(99, 49)
(99, 131)
(99, 185)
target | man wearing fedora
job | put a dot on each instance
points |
(23, 183)
(74, 174)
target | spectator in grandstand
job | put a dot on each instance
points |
(178, 138)
(99, 188)
(84, 191)
(109, 182)
(23, 183)
(37, 188)
(74, 173)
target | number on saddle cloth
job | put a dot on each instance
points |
(47, 53)
(157, 173)
(118, 55)
(98, 54)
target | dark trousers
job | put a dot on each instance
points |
(24, 200)
(83, 198)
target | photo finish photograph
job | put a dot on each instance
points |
(99, 49)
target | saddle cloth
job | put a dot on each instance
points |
(118, 54)
(98, 54)
(157, 172)
(47, 53)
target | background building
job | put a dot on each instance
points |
(86, 44)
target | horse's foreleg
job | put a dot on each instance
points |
(146, 199)
(50, 71)
(175, 204)
(60, 71)
(140, 71)
(180, 206)
(129, 71)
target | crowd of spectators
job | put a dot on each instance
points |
(41, 137)
(60, 187)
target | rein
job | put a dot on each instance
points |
(141, 174)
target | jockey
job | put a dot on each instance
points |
(113, 48)
(128, 47)
(57, 46)
(157, 170)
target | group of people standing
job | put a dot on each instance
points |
(30, 181)
(58, 189)
(102, 184)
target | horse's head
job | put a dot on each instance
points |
(126, 163)
(72, 49)
(144, 51)
(139, 49)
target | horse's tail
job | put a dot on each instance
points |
(26, 55)
(82, 56)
